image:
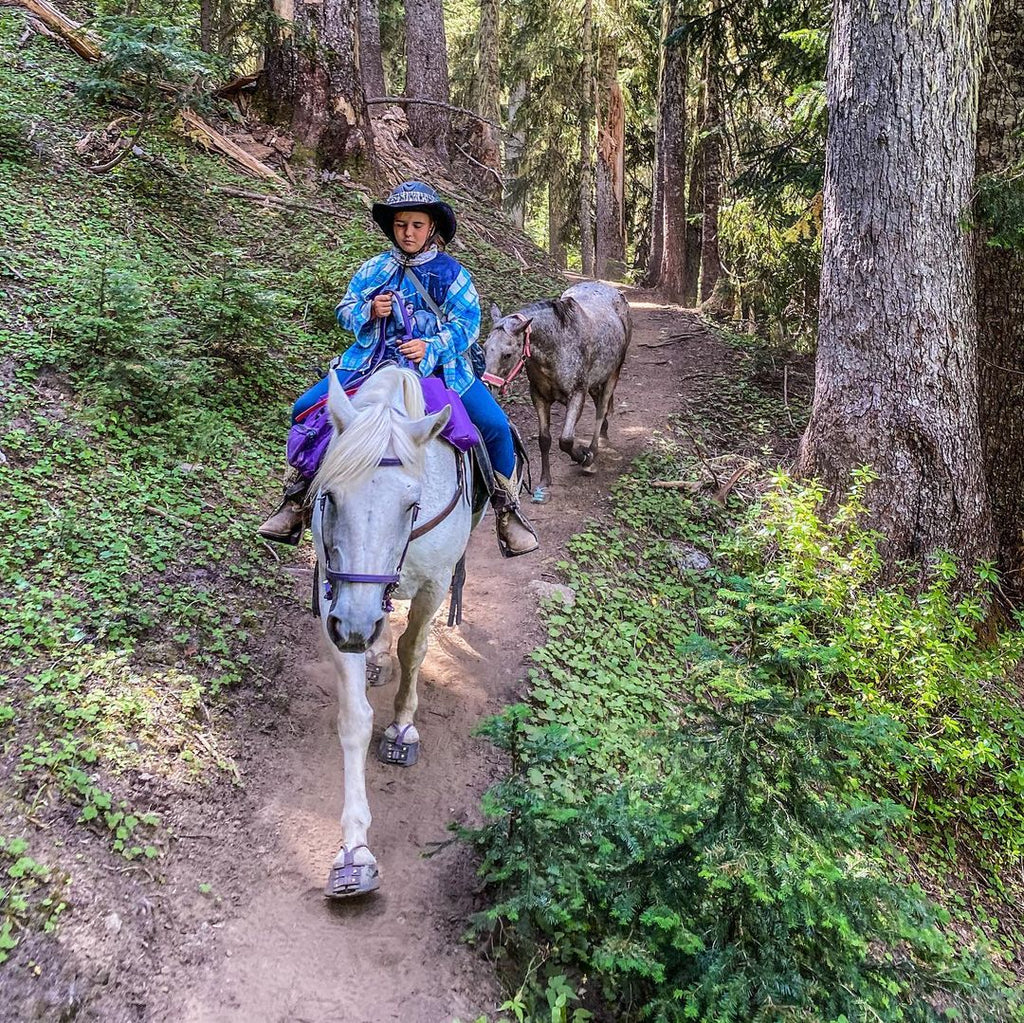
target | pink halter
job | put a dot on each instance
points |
(504, 383)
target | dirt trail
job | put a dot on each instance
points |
(269, 948)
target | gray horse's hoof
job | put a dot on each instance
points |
(396, 751)
(348, 878)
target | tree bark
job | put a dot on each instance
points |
(515, 145)
(694, 209)
(896, 366)
(610, 248)
(586, 214)
(486, 142)
(426, 76)
(668, 221)
(1001, 297)
(556, 212)
(310, 82)
(710, 258)
(371, 61)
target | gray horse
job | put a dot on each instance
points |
(570, 346)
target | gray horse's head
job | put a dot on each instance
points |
(367, 491)
(504, 345)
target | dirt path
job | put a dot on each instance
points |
(268, 948)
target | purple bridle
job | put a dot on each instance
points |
(391, 581)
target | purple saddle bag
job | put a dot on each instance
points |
(308, 439)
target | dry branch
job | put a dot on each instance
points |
(692, 485)
(404, 100)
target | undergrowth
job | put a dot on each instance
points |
(733, 733)
(154, 333)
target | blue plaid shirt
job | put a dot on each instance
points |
(452, 291)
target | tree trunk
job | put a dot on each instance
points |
(710, 259)
(1001, 297)
(610, 248)
(668, 221)
(586, 224)
(556, 213)
(208, 25)
(897, 358)
(310, 83)
(426, 76)
(371, 62)
(694, 209)
(486, 142)
(515, 145)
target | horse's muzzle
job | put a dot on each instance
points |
(349, 640)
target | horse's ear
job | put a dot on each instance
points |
(423, 431)
(495, 313)
(521, 325)
(342, 410)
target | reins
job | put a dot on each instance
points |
(505, 383)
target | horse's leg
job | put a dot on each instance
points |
(611, 409)
(602, 407)
(354, 871)
(567, 442)
(543, 409)
(401, 742)
(379, 662)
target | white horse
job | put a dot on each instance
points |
(391, 518)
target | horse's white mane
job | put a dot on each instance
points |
(385, 405)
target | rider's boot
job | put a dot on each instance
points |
(288, 523)
(516, 534)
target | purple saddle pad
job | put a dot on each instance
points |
(308, 439)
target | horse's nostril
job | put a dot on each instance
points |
(334, 631)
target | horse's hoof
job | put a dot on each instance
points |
(393, 749)
(348, 878)
(541, 495)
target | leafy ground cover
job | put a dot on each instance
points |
(751, 783)
(153, 332)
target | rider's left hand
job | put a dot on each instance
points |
(414, 350)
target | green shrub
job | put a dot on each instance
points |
(703, 796)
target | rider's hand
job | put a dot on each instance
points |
(380, 307)
(414, 350)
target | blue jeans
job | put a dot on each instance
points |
(483, 410)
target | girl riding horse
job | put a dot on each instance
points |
(440, 298)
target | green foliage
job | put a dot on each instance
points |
(999, 206)
(30, 894)
(148, 65)
(703, 792)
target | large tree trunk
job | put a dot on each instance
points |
(310, 82)
(896, 365)
(610, 249)
(668, 221)
(710, 259)
(1001, 297)
(371, 61)
(586, 215)
(426, 76)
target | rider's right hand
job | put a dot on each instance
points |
(381, 306)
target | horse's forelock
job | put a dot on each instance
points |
(384, 405)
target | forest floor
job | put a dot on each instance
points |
(240, 930)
